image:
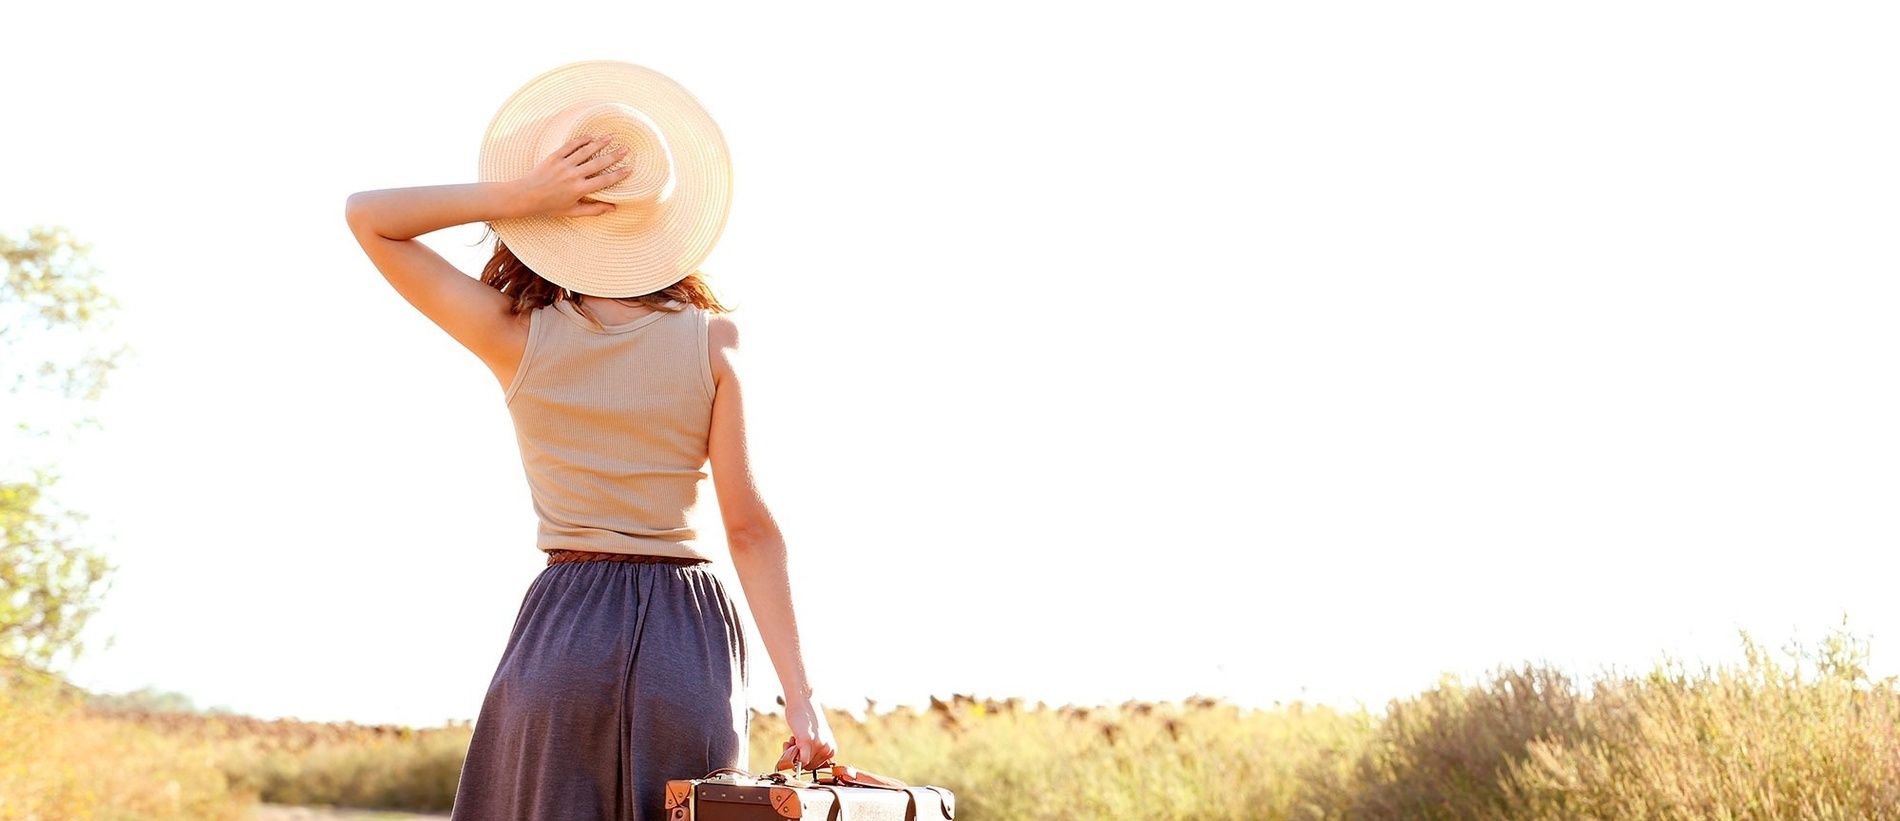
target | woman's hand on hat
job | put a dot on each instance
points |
(558, 186)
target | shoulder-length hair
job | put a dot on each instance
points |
(527, 290)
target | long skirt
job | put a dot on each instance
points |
(617, 678)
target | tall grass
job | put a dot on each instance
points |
(1811, 737)
(285, 761)
(1201, 759)
(58, 762)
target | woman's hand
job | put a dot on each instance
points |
(558, 185)
(811, 744)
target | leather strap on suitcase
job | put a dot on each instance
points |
(790, 797)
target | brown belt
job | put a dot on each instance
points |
(565, 556)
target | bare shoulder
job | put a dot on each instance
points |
(722, 338)
(723, 330)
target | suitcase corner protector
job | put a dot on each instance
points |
(678, 793)
(787, 802)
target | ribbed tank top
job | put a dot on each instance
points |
(612, 421)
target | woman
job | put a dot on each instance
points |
(626, 664)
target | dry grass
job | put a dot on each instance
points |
(1201, 759)
(344, 765)
(57, 762)
(1812, 737)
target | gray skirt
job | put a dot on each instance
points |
(617, 678)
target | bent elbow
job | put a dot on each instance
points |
(360, 211)
(355, 211)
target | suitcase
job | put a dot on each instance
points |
(732, 795)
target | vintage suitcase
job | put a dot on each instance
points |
(732, 795)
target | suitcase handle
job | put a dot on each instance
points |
(841, 774)
(787, 760)
(847, 776)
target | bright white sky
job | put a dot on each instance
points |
(1265, 351)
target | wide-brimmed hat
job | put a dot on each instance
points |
(667, 215)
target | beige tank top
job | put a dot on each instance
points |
(612, 421)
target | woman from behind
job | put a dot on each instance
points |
(607, 184)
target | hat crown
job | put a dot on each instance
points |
(668, 212)
(651, 159)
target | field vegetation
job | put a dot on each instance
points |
(60, 761)
(1804, 734)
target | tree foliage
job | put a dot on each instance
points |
(51, 312)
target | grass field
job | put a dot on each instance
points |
(1805, 734)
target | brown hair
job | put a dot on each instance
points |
(508, 274)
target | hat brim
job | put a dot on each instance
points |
(634, 250)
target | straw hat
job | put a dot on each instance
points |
(667, 214)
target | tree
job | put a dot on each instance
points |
(51, 312)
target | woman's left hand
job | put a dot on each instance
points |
(811, 744)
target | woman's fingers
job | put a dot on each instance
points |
(601, 161)
(574, 146)
(814, 753)
(581, 166)
(589, 208)
(604, 179)
(806, 753)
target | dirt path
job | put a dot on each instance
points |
(279, 812)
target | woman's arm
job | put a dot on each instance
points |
(758, 548)
(387, 222)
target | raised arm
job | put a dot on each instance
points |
(387, 222)
(758, 548)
